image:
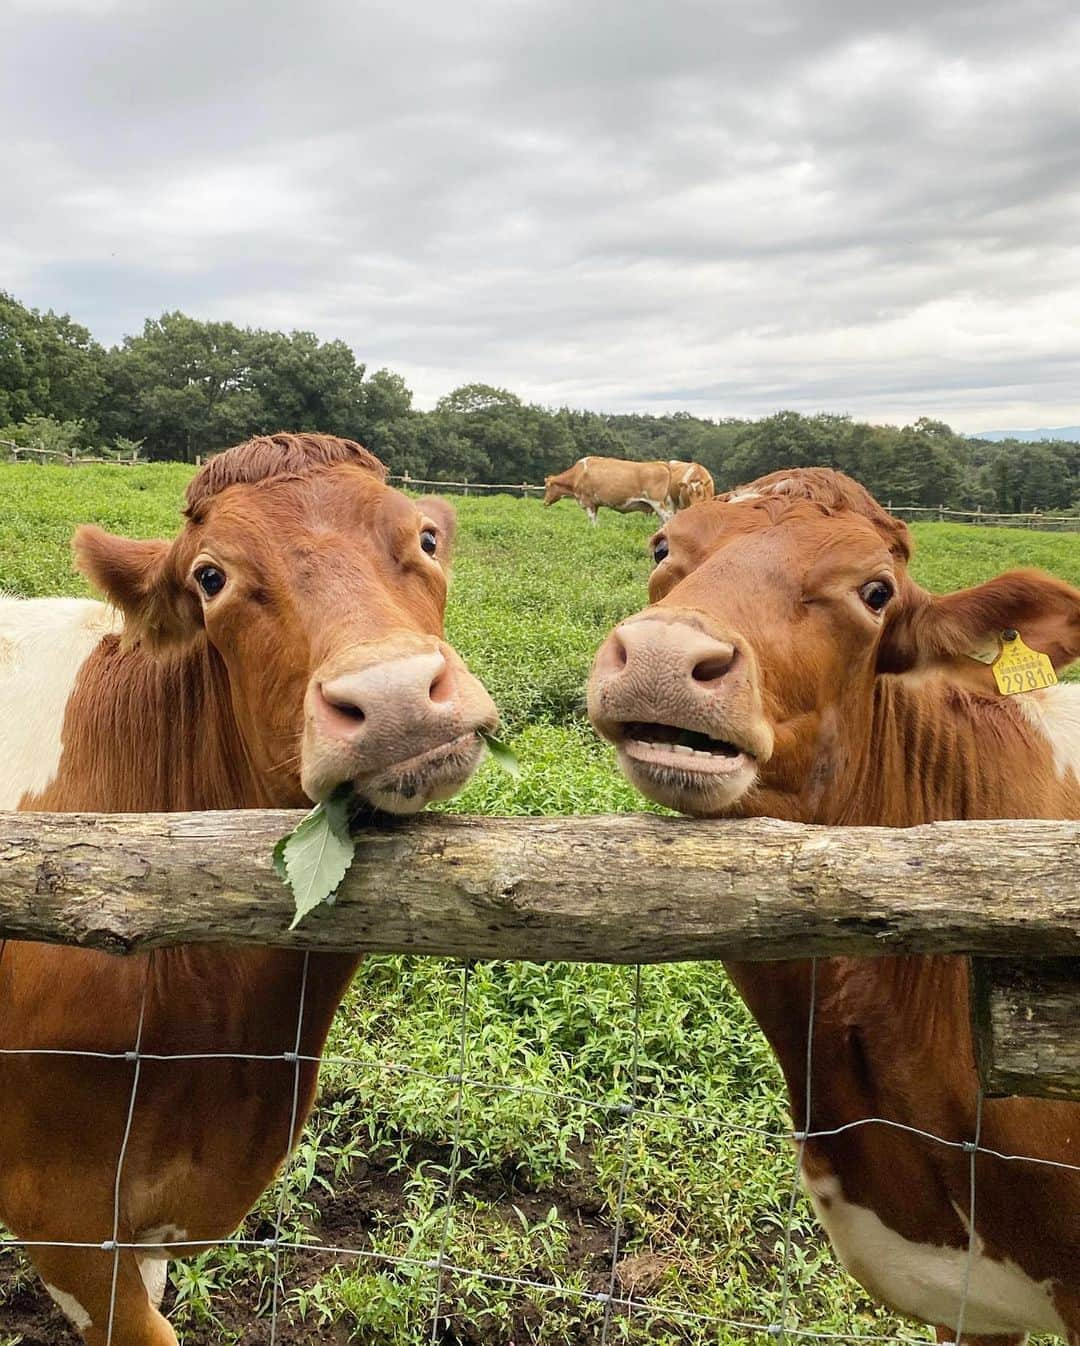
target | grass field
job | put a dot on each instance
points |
(709, 1176)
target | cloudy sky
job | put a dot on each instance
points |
(722, 206)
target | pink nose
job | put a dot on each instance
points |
(384, 699)
(677, 652)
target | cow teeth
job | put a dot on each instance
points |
(703, 752)
(683, 748)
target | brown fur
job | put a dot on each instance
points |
(280, 455)
(199, 706)
(690, 484)
(836, 491)
(778, 578)
(613, 483)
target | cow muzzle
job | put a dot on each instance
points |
(680, 702)
(402, 727)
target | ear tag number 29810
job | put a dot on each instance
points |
(1019, 668)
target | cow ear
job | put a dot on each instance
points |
(137, 578)
(933, 629)
(441, 513)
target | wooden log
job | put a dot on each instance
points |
(623, 889)
(1027, 1023)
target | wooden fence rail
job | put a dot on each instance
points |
(621, 889)
(19, 452)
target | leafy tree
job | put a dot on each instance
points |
(45, 432)
(301, 383)
(387, 418)
(184, 386)
(49, 366)
(491, 427)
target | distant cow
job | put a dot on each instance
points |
(288, 641)
(789, 667)
(614, 483)
(690, 484)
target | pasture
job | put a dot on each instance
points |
(540, 1164)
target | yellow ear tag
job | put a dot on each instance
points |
(1018, 668)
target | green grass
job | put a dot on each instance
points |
(708, 1179)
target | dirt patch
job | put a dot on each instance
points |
(364, 1202)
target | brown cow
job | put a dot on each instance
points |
(789, 668)
(614, 483)
(690, 484)
(289, 640)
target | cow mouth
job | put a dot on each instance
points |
(436, 773)
(679, 749)
(684, 769)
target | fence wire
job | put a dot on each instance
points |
(630, 1112)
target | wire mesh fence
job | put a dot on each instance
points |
(612, 1310)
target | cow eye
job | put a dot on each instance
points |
(876, 594)
(428, 541)
(660, 551)
(210, 580)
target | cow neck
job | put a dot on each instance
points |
(153, 732)
(919, 762)
(929, 751)
(156, 732)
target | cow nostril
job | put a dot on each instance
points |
(443, 685)
(346, 708)
(714, 667)
(441, 689)
(616, 652)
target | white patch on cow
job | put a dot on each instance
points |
(70, 1307)
(925, 1280)
(43, 644)
(1055, 712)
(154, 1263)
(743, 495)
(155, 1274)
(160, 1237)
(654, 505)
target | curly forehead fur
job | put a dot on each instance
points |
(281, 455)
(836, 491)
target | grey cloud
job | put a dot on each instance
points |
(737, 207)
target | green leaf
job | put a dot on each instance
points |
(501, 754)
(278, 857)
(314, 857)
(339, 808)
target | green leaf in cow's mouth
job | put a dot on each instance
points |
(500, 753)
(315, 856)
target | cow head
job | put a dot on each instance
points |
(319, 592)
(690, 484)
(748, 684)
(556, 488)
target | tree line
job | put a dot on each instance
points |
(183, 388)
